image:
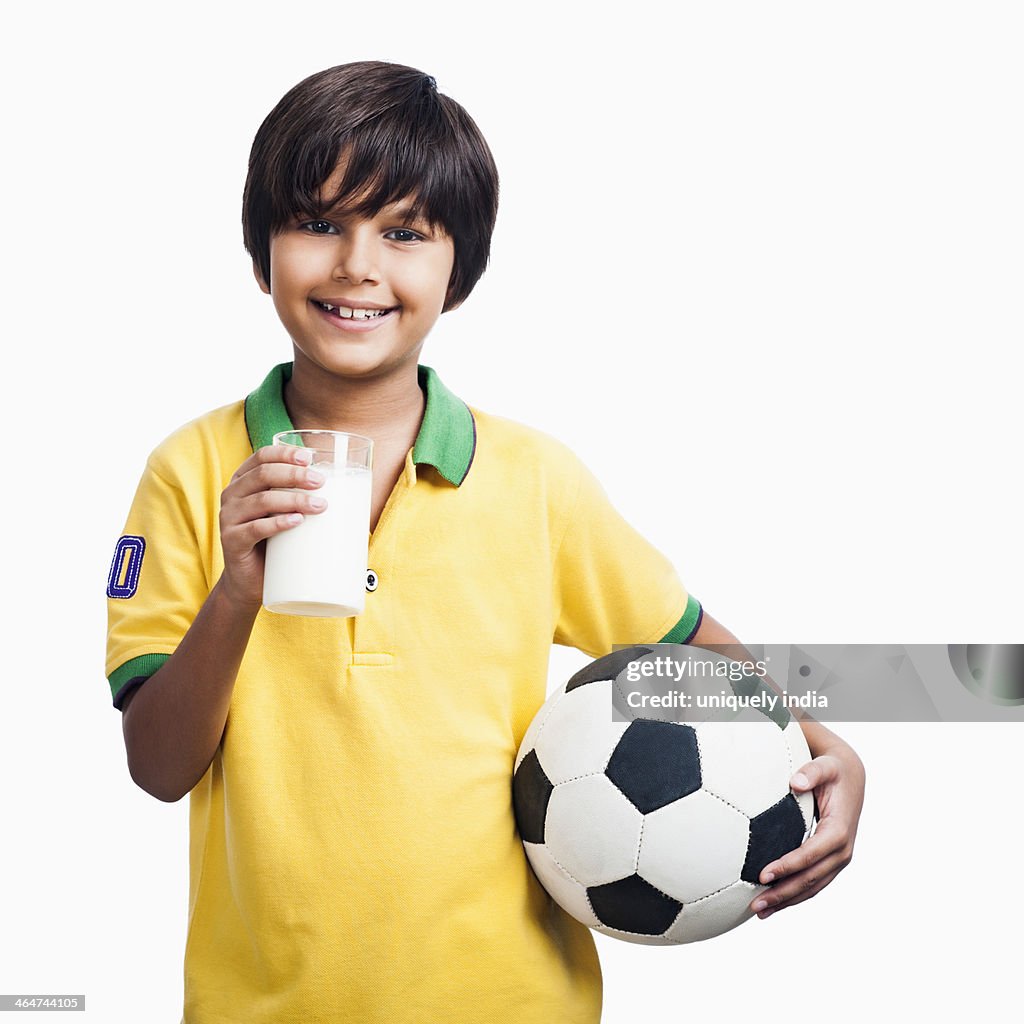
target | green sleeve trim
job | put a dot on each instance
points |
(686, 628)
(144, 665)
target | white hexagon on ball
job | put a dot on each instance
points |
(693, 847)
(578, 735)
(727, 751)
(593, 831)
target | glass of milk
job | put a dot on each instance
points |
(319, 567)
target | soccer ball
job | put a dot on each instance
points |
(650, 829)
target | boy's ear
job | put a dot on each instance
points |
(264, 287)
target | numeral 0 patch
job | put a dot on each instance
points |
(123, 580)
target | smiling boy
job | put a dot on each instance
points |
(353, 854)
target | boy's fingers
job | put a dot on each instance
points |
(804, 872)
(272, 475)
(795, 891)
(267, 505)
(800, 859)
(827, 838)
(821, 771)
(249, 534)
(283, 453)
(824, 843)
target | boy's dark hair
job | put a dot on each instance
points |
(401, 139)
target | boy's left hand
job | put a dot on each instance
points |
(836, 776)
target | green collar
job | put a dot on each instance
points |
(447, 437)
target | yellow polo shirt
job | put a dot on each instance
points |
(353, 851)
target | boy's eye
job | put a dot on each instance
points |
(318, 227)
(404, 235)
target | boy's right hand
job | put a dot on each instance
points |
(254, 506)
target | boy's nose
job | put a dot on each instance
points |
(357, 259)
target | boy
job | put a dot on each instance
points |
(353, 851)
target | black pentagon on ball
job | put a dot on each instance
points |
(607, 667)
(773, 833)
(633, 905)
(531, 791)
(655, 763)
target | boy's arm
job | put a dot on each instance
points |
(174, 721)
(836, 775)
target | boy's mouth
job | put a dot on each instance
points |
(350, 313)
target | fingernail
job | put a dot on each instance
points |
(768, 877)
(317, 502)
(303, 456)
(760, 905)
(800, 780)
(314, 477)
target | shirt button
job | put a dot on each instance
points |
(371, 580)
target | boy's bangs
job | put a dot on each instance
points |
(382, 168)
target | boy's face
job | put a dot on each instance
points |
(386, 278)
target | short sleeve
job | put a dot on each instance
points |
(612, 586)
(156, 584)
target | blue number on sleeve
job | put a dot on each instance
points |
(123, 580)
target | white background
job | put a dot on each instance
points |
(759, 264)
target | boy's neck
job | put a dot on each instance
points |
(380, 407)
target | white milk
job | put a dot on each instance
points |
(319, 566)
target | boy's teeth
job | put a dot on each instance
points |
(349, 314)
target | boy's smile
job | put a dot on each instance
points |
(344, 315)
(358, 295)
